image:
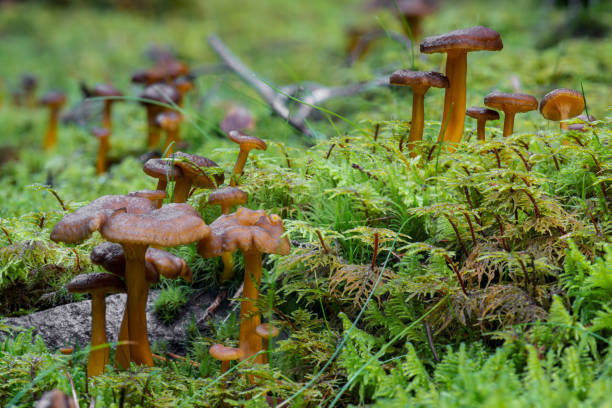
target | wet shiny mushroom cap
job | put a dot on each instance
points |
(168, 120)
(238, 118)
(162, 169)
(246, 230)
(110, 257)
(266, 331)
(561, 104)
(149, 194)
(162, 93)
(480, 113)
(167, 264)
(223, 353)
(511, 102)
(106, 90)
(100, 133)
(247, 142)
(170, 225)
(477, 38)
(418, 79)
(92, 282)
(228, 196)
(83, 222)
(194, 167)
(53, 99)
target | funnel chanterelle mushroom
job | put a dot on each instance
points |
(482, 115)
(54, 101)
(111, 95)
(510, 104)
(266, 331)
(420, 82)
(225, 355)
(456, 44)
(103, 136)
(98, 285)
(562, 104)
(170, 122)
(193, 169)
(154, 98)
(253, 233)
(246, 143)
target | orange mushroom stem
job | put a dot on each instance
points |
(482, 115)
(170, 122)
(225, 355)
(562, 104)
(54, 101)
(266, 331)
(246, 143)
(510, 104)
(103, 135)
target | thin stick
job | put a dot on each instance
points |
(430, 341)
(375, 251)
(325, 249)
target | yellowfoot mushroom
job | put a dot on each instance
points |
(266, 331)
(510, 104)
(154, 97)
(562, 104)
(54, 101)
(225, 355)
(246, 143)
(482, 115)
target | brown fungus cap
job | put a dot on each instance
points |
(227, 196)
(109, 256)
(170, 225)
(162, 169)
(193, 166)
(247, 142)
(90, 282)
(162, 93)
(149, 194)
(511, 102)
(247, 230)
(478, 112)
(168, 265)
(83, 222)
(561, 104)
(266, 331)
(53, 99)
(418, 79)
(477, 38)
(105, 90)
(238, 118)
(223, 353)
(168, 120)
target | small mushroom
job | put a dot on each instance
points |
(238, 118)
(266, 331)
(225, 355)
(246, 143)
(163, 171)
(253, 233)
(420, 82)
(170, 122)
(156, 196)
(98, 285)
(154, 97)
(456, 44)
(111, 95)
(562, 104)
(226, 198)
(414, 11)
(54, 101)
(183, 85)
(103, 136)
(482, 115)
(510, 104)
(28, 85)
(55, 399)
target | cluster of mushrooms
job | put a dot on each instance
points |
(557, 105)
(138, 225)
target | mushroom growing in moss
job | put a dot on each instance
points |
(510, 104)
(562, 104)
(170, 122)
(225, 355)
(253, 233)
(103, 136)
(155, 99)
(111, 95)
(98, 285)
(246, 143)
(456, 44)
(54, 101)
(266, 331)
(420, 82)
(482, 115)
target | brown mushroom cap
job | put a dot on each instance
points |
(168, 120)
(168, 265)
(109, 256)
(266, 331)
(90, 282)
(100, 133)
(247, 230)
(53, 99)
(223, 353)
(83, 222)
(193, 166)
(478, 112)
(162, 169)
(418, 79)
(238, 118)
(170, 225)
(227, 196)
(162, 93)
(561, 104)
(477, 38)
(247, 142)
(511, 102)
(149, 194)
(147, 76)
(106, 90)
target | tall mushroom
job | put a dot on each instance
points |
(98, 285)
(111, 95)
(266, 331)
(246, 143)
(562, 104)
(482, 115)
(154, 97)
(253, 233)
(510, 104)
(54, 101)
(456, 44)
(103, 136)
(170, 122)
(420, 82)
(226, 198)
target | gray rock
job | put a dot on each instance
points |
(70, 324)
